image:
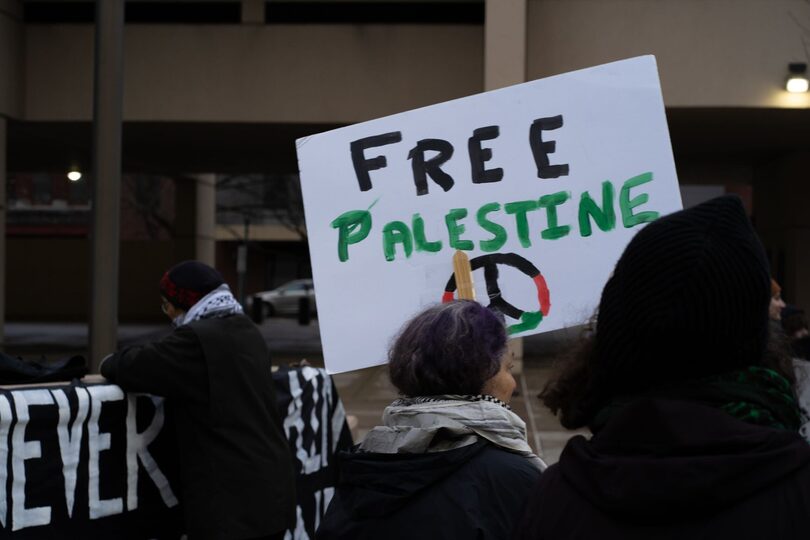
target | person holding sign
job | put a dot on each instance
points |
(214, 369)
(695, 420)
(452, 459)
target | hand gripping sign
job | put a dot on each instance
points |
(556, 175)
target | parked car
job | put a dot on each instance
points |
(285, 300)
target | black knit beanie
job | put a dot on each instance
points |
(688, 298)
(187, 282)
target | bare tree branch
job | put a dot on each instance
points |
(805, 31)
(275, 198)
(144, 196)
(806, 44)
(799, 23)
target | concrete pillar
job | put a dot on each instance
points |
(107, 117)
(11, 105)
(3, 183)
(12, 58)
(504, 43)
(252, 11)
(505, 65)
(206, 219)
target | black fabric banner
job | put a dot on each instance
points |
(91, 461)
(315, 424)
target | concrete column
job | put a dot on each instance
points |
(107, 117)
(3, 182)
(205, 219)
(12, 58)
(505, 65)
(252, 11)
(504, 43)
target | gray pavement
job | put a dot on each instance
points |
(365, 393)
(285, 337)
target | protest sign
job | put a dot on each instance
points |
(543, 184)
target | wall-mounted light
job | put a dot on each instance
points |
(797, 78)
(74, 175)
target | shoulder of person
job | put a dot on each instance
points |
(184, 333)
(508, 465)
(219, 332)
(232, 322)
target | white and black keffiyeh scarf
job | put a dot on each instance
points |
(437, 423)
(436, 399)
(216, 304)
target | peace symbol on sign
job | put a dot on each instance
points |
(529, 320)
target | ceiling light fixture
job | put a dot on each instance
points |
(797, 78)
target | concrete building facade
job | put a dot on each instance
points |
(229, 92)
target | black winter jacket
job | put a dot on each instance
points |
(474, 492)
(672, 469)
(235, 463)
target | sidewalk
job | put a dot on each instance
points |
(365, 393)
(285, 337)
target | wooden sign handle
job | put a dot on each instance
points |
(464, 277)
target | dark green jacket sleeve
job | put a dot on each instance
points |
(172, 367)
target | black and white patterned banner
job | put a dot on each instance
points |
(315, 425)
(91, 461)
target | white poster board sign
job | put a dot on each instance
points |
(543, 184)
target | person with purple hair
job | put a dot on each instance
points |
(451, 459)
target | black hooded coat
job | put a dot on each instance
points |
(673, 469)
(473, 492)
(236, 468)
